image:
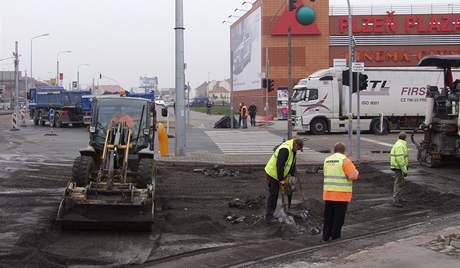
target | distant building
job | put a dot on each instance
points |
(202, 90)
(219, 91)
(168, 94)
(7, 87)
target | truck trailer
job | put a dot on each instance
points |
(65, 104)
(394, 99)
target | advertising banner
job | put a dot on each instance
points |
(246, 45)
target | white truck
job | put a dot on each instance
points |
(394, 99)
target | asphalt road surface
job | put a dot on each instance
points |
(198, 221)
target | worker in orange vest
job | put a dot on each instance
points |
(244, 115)
(339, 174)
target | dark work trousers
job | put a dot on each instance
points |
(253, 120)
(273, 190)
(334, 217)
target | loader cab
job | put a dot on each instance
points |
(109, 110)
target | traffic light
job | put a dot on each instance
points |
(363, 80)
(100, 76)
(292, 5)
(270, 85)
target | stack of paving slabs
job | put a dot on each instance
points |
(449, 245)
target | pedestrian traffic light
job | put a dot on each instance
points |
(292, 5)
(270, 85)
(363, 79)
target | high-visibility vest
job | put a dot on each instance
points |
(399, 158)
(271, 168)
(335, 179)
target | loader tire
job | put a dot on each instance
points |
(144, 172)
(83, 169)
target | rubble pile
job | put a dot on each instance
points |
(449, 245)
(217, 172)
(250, 203)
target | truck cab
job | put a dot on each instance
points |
(313, 102)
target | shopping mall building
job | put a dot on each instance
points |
(393, 36)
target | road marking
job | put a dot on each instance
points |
(377, 142)
(381, 143)
(240, 142)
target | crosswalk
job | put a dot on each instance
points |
(238, 142)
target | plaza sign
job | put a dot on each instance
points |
(402, 24)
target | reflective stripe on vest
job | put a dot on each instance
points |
(335, 179)
(271, 168)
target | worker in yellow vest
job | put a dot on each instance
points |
(399, 161)
(339, 174)
(279, 167)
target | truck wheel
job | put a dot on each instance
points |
(375, 127)
(144, 172)
(318, 126)
(83, 170)
(41, 122)
(57, 121)
(36, 120)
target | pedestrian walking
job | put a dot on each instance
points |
(252, 114)
(239, 114)
(339, 174)
(399, 162)
(208, 107)
(279, 167)
(244, 115)
(51, 117)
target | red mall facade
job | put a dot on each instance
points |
(384, 35)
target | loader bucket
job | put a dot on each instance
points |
(83, 208)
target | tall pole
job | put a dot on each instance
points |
(267, 76)
(16, 79)
(180, 80)
(289, 121)
(57, 72)
(31, 57)
(78, 79)
(31, 52)
(358, 128)
(350, 91)
(232, 115)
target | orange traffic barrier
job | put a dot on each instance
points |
(163, 140)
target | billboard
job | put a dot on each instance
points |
(246, 45)
(149, 82)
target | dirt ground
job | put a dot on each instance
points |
(204, 218)
(193, 218)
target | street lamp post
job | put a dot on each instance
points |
(57, 65)
(78, 74)
(31, 52)
(350, 91)
(180, 80)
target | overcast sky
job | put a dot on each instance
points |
(124, 39)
